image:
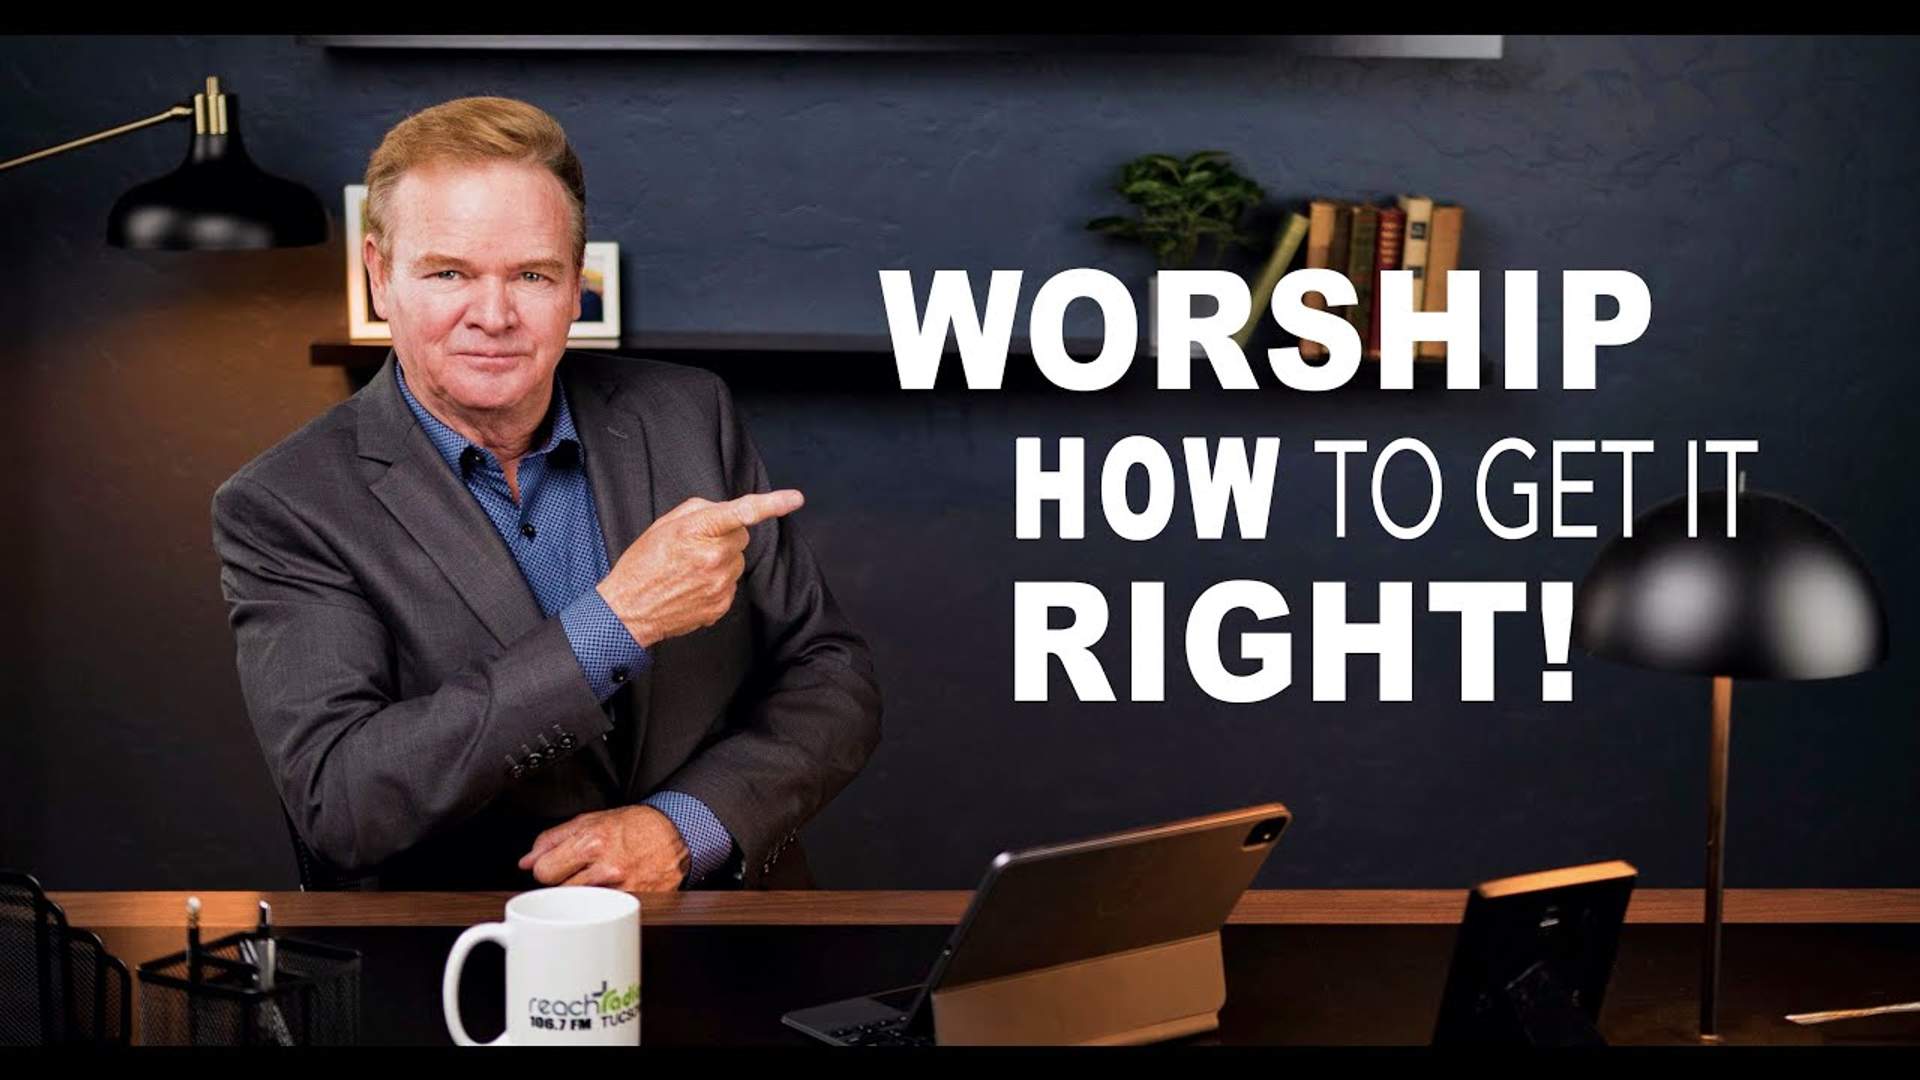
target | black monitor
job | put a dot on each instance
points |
(1530, 966)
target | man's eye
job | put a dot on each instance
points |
(437, 274)
(535, 274)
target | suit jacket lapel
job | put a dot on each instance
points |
(442, 515)
(619, 466)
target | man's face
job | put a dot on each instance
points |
(482, 285)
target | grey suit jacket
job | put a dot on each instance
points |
(423, 720)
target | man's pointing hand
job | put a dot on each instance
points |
(680, 575)
(718, 519)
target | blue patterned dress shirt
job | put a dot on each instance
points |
(554, 535)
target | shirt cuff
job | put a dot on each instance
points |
(709, 842)
(607, 653)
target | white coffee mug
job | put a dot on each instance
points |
(573, 969)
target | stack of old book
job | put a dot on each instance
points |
(1360, 240)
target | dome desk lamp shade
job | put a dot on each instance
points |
(218, 199)
(1784, 596)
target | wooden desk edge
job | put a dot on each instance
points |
(96, 910)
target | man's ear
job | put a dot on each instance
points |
(378, 275)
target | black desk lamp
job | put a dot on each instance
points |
(217, 199)
(1785, 597)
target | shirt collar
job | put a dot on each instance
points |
(453, 446)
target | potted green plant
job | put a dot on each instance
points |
(1182, 203)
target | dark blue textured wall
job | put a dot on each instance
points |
(1756, 184)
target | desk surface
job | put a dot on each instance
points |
(1314, 967)
(893, 908)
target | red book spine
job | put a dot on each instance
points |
(1386, 256)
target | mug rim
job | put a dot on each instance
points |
(628, 904)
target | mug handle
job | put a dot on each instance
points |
(450, 982)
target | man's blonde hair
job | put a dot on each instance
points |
(473, 130)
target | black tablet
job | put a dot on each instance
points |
(1531, 964)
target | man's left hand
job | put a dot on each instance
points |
(632, 848)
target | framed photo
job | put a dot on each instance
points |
(362, 323)
(599, 322)
(599, 293)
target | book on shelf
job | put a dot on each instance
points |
(1291, 234)
(1443, 254)
(1322, 223)
(1388, 233)
(1342, 232)
(1360, 255)
(1413, 250)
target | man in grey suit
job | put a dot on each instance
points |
(513, 615)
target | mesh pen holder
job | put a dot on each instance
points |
(214, 998)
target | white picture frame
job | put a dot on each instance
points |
(600, 278)
(362, 323)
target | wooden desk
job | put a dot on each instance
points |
(1303, 967)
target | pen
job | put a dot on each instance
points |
(193, 969)
(265, 930)
(1853, 1014)
(265, 960)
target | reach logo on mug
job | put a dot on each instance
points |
(561, 944)
(604, 1007)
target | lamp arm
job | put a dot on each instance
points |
(174, 113)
